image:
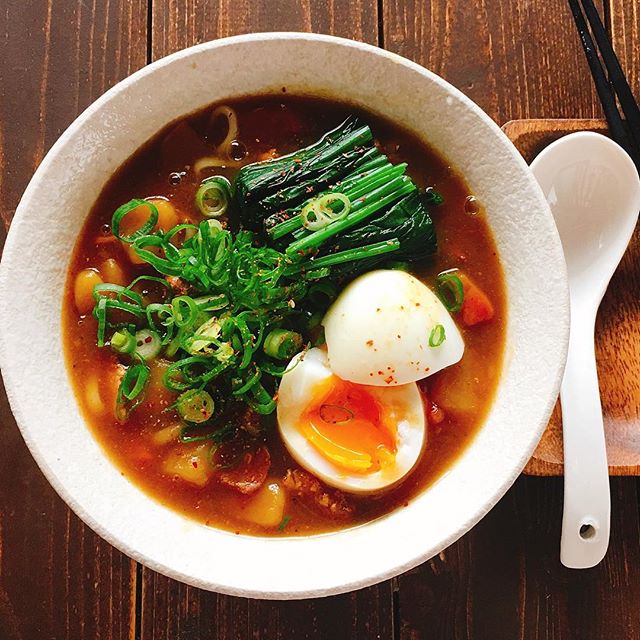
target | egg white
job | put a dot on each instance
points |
(378, 329)
(404, 403)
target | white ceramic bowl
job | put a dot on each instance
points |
(50, 216)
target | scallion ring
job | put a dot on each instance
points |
(123, 342)
(195, 405)
(185, 311)
(130, 391)
(127, 208)
(437, 336)
(450, 291)
(213, 196)
(319, 212)
(282, 344)
(119, 292)
(148, 344)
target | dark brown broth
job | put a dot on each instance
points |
(285, 123)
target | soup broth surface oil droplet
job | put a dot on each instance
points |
(237, 150)
(175, 178)
(471, 206)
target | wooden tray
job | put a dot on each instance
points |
(617, 333)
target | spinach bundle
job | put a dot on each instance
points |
(384, 208)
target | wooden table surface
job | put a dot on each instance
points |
(503, 580)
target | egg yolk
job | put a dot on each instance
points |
(349, 426)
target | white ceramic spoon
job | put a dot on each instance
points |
(593, 189)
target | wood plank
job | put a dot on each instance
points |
(516, 59)
(504, 579)
(57, 578)
(170, 609)
(624, 26)
(182, 23)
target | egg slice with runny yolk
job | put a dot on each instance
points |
(358, 438)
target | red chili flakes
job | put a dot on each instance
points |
(389, 379)
(195, 464)
(369, 343)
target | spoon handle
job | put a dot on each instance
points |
(587, 500)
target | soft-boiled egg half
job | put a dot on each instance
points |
(358, 438)
(380, 328)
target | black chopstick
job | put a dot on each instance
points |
(628, 136)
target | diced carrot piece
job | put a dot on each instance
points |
(476, 307)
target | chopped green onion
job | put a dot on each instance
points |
(450, 291)
(163, 285)
(318, 213)
(185, 311)
(213, 196)
(284, 523)
(204, 338)
(195, 405)
(123, 342)
(212, 303)
(189, 433)
(130, 390)
(282, 344)
(241, 387)
(147, 344)
(160, 319)
(437, 336)
(118, 291)
(128, 207)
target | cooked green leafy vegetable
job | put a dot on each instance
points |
(267, 188)
(408, 221)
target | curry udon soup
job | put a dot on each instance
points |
(284, 316)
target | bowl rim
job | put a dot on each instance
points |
(11, 375)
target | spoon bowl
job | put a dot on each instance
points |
(592, 187)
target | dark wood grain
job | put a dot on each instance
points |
(515, 58)
(624, 26)
(504, 581)
(57, 578)
(182, 23)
